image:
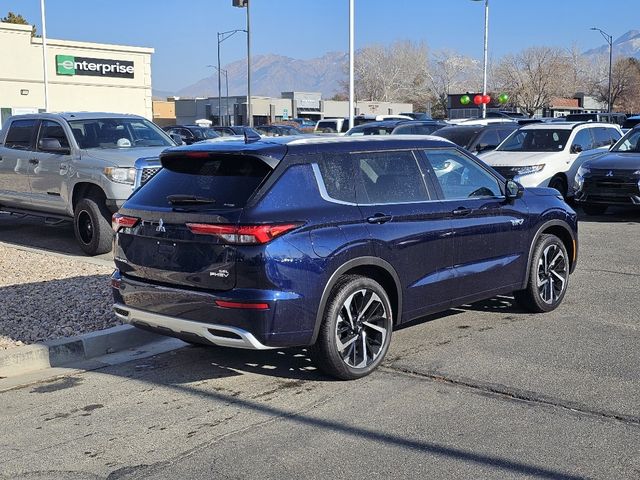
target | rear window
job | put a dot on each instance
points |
(19, 134)
(217, 182)
(460, 136)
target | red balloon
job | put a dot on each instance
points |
(486, 99)
(477, 99)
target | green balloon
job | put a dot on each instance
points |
(503, 98)
(464, 100)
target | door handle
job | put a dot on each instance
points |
(34, 161)
(379, 218)
(461, 211)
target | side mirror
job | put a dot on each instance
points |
(52, 145)
(513, 190)
(177, 138)
(576, 148)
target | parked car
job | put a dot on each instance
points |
(631, 122)
(303, 122)
(417, 115)
(396, 127)
(233, 130)
(75, 166)
(477, 138)
(330, 243)
(612, 179)
(549, 154)
(341, 125)
(189, 134)
(616, 118)
(277, 130)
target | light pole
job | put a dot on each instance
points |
(226, 81)
(44, 57)
(609, 40)
(222, 36)
(351, 61)
(486, 49)
(245, 4)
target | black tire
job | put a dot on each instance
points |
(594, 209)
(370, 331)
(560, 184)
(92, 226)
(542, 293)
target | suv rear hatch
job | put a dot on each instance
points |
(182, 227)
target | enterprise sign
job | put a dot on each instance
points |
(95, 67)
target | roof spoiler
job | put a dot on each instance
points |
(251, 137)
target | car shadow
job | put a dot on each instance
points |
(629, 215)
(36, 232)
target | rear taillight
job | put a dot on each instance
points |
(119, 221)
(242, 305)
(243, 234)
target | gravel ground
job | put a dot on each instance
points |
(45, 296)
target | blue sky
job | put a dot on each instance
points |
(183, 33)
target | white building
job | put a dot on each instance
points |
(81, 76)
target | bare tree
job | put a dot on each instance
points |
(625, 76)
(450, 73)
(394, 73)
(532, 77)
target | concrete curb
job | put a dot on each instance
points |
(65, 351)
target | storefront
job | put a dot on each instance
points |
(81, 76)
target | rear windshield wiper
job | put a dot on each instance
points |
(189, 200)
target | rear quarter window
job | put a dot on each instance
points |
(227, 181)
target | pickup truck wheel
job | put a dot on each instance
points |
(92, 226)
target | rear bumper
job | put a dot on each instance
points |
(195, 315)
(221, 335)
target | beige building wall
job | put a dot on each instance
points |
(22, 78)
(338, 108)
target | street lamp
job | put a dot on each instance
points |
(44, 57)
(222, 36)
(609, 40)
(486, 48)
(226, 81)
(351, 62)
(245, 4)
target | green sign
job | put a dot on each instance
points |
(65, 65)
(94, 67)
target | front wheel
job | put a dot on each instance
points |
(559, 184)
(548, 276)
(92, 227)
(356, 329)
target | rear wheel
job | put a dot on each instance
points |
(594, 209)
(356, 329)
(92, 226)
(560, 184)
(548, 276)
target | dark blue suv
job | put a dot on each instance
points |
(331, 242)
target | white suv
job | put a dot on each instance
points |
(549, 154)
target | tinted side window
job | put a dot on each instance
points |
(584, 139)
(605, 136)
(337, 176)
(49, 129)
(460, 177)
(389, 177)
(20, 134)
(489, 139)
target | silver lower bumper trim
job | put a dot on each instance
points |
(241, 338)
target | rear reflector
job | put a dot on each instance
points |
(242, 234)
(242, 305)
(119, 221)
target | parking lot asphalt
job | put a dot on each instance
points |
(482, 391)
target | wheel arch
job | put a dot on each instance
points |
(561, 230)
(371, 267)
(86, 189)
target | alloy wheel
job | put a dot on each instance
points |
(552, 274)
(362, 328)
(85, 226)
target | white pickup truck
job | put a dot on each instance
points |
(75, 166)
